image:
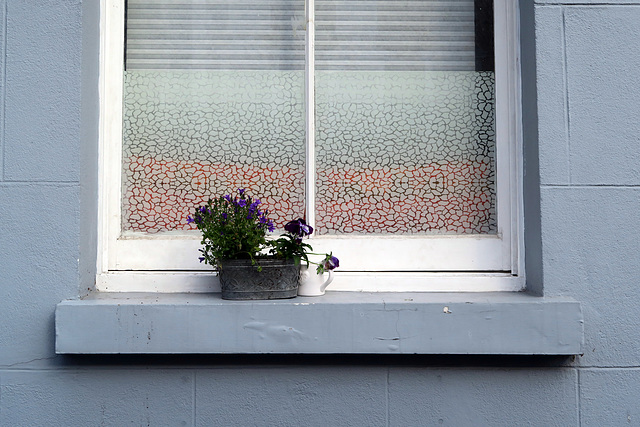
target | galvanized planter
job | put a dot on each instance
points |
(239, 280)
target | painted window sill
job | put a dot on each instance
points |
(338, 322)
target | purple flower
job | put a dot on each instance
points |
(270, 226)
(242, 203)
(203, 209)
(299, 227)
(227, 197)
(306, 229)
(197, 220)
(241, 191)
(224, 215)
(254, 206)
(201, 258)
(330, 263)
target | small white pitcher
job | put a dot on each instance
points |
(311, 283)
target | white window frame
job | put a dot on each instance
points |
(430, 263)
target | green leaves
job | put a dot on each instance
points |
(289, 246)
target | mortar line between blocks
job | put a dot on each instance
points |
(43, 183)
(193, 398)
(611, 186)
(596, 3)
(565, 78)
(610, 368)
(387, 395)
(3, 76)
(578, 403)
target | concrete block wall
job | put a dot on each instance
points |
(589, 146)
(588, 100)
(39, 180)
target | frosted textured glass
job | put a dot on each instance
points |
(214, 101)
(405, 139)
(192, 135)
(405, 152)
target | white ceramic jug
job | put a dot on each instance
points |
(311, 283)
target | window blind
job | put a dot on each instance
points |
(403, 35)
(215, 34)
(430, 35)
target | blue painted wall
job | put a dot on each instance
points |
(582, 102)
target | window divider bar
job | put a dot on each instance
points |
(310, 138)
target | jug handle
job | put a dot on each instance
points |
(327, 282)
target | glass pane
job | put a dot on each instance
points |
(213, 102)
(405, 117)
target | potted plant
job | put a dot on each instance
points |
(234, 239)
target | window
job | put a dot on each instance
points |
(392, 126)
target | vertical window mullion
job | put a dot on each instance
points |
(310, 176)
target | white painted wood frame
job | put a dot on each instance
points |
(168, 262)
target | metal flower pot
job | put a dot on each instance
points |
(239, 280)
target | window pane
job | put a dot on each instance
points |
(405, 117)
(213, 102)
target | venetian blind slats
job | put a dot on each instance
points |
(403, 35)
(269, 34)
(215, 34)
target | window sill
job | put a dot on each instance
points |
(338, 322)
